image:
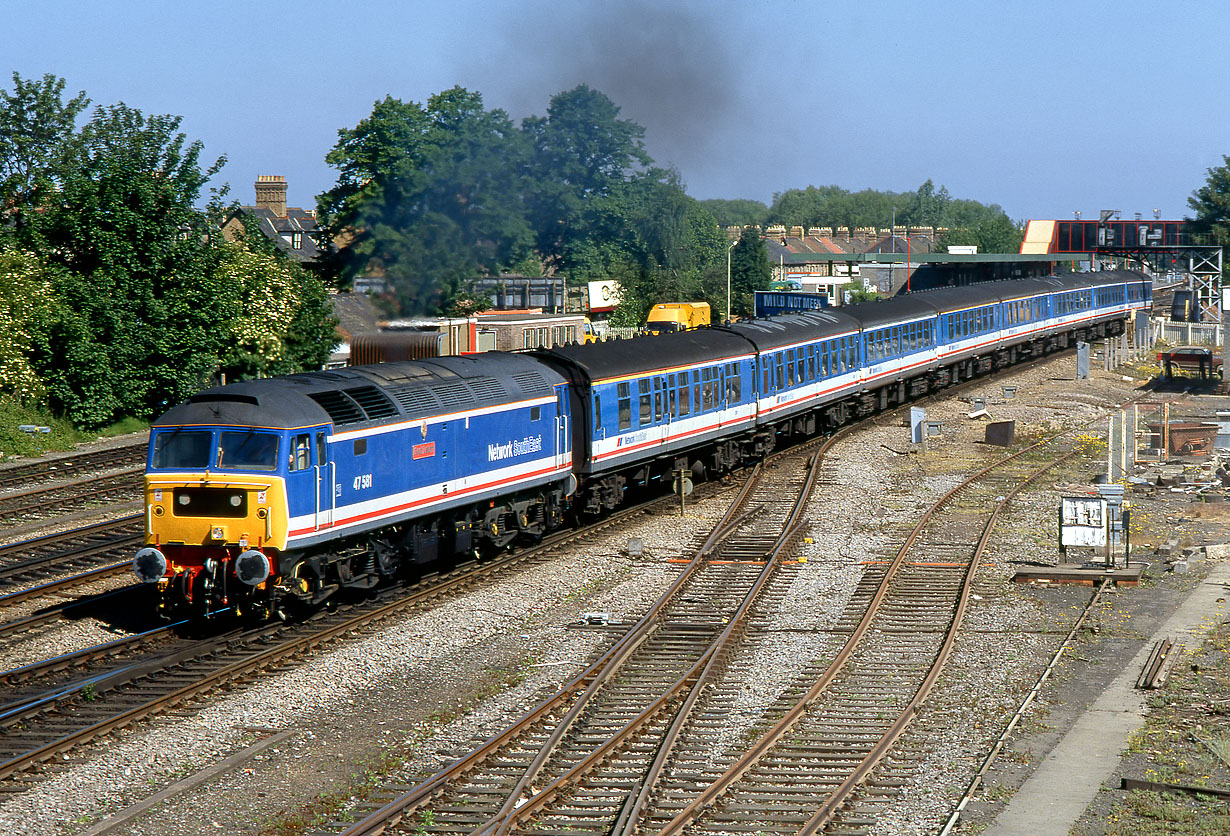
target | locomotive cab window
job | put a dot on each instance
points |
(182, 449)
(247, 450)
(301, 452)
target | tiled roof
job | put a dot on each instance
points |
(355, 313)
(297, 228)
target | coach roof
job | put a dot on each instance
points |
(616, 358)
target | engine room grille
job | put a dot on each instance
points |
(453, 395)
(531, 383)
(341, 409)
(374, 402)
(417, 400)
(488, 388)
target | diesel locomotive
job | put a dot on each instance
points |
(269, 494)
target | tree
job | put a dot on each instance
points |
(125, 229)
(1211, 204)
(738, 213)
(991, 234)
(37, 142)
(927, 207)
(833, 206)
(28, 307)
(428, 196)
(749, 271)
(580, 153)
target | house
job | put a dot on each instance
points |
(293, 230)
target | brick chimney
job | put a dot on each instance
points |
(271, 193)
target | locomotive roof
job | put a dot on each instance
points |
(649, 352)
(370, 394)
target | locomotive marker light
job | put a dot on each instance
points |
(149, 565)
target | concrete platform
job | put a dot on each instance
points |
(1055, 796)
(1081, 573)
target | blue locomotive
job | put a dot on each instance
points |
(268, 493)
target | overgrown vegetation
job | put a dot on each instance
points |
(118, 297)
(1185, 740)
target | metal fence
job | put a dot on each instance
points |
(612, 332)
(1187, 333)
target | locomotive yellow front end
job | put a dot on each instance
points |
(215, 520)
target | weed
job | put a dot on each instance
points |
(998, 792)
(88, 693)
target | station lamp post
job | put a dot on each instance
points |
(728, 251)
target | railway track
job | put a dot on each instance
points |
(91, 554)
(98, 690)
(79, 549)
(47, 503)
(654, 768)
(603, 729)
(902, 624)
(24, 475)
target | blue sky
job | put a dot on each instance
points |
(1042, 107)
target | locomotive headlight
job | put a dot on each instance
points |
(149, 565)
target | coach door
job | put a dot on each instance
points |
(325, 495)
(563, 454)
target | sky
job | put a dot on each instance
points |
(1043, 107)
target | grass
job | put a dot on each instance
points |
(15, 443)
(1185, 740)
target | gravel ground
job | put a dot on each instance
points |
(423, 689)
(404, 692)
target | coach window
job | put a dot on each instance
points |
(737, 385)
(625, 406)
(597, 411)
(685, 401)
(646, 401)
(789, 364)
(657, 399)
(301, 452)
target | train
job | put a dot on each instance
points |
(267, 496)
